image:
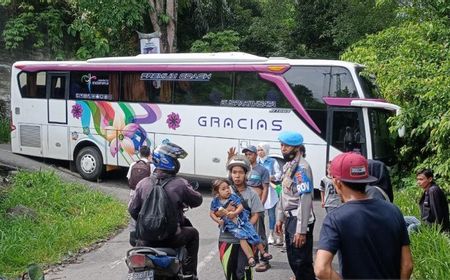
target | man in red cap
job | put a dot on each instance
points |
(370, 233)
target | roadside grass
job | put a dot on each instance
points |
(4, 131)
(430, 248)
(68, 217)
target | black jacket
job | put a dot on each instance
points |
(434, 207)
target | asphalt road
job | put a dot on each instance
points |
(107, 261)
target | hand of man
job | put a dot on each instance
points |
(299, 240)
(231, 152)
(279, 228)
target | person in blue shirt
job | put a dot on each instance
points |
(369, 233)
(270, 204)
(235, 219)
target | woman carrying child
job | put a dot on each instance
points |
(233, 257)
(235, 219)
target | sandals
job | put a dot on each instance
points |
(266, 256)
(251, 262)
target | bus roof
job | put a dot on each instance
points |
(221, 58)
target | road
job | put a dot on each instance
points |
(107, 261)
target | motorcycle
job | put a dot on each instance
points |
(148, 263)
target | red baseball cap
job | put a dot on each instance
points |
(352, 168)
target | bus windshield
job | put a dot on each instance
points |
(381, 141)
(369, 87)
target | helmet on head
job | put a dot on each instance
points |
(290, 138)
(239, 160)
(165, 157)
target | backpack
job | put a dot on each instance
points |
(158, 217)
(139, 171)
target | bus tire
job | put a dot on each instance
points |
(89, 163)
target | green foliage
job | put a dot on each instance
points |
(412, 64)
(431, 252)
(40, 24)
(325, 28)
(68, 217)
(224, 41)
(107, 28)
(430, 248)
(5, 132)
(270, 33)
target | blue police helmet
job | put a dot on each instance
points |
(290, 138)
(165, 157)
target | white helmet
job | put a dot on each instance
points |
(239, 160)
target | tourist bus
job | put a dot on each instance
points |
(97, 113)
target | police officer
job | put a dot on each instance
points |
(295, 206)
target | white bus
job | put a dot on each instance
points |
(97, 113)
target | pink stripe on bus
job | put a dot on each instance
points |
(287, 91)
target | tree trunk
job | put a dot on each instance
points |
(166, 8)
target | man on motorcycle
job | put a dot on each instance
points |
(165, 158)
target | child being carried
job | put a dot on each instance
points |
(227, 210)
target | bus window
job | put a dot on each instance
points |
(341, 83)
(253, 91)
(57, 87)
(94, 85)
(347, 132)
(210, 92)
(32, 85)
(381, 142)
(369, 87)
(137, 89)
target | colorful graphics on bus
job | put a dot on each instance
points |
(122, 129)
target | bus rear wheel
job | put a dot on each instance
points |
(89, 163)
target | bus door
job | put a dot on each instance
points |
(57, 132)
(345, 131)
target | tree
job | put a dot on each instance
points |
(412, 62)
(325, 28)
(163, 15)
(36, 25)
(225, 41)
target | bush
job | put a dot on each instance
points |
(5, 132)
(4, 122)
(430, 248)
(66, 217)
(412, 62)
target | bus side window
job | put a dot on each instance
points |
(250, 87)
(94, 85)
(57, 87)
(205, 92)
(32, 85)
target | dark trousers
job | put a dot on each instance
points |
(300, 259)
(186, 236)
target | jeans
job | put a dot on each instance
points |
(300, 259)
(272, 218)
(412, 224)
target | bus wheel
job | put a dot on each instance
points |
(89, 163)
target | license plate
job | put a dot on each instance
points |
(143, 275)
